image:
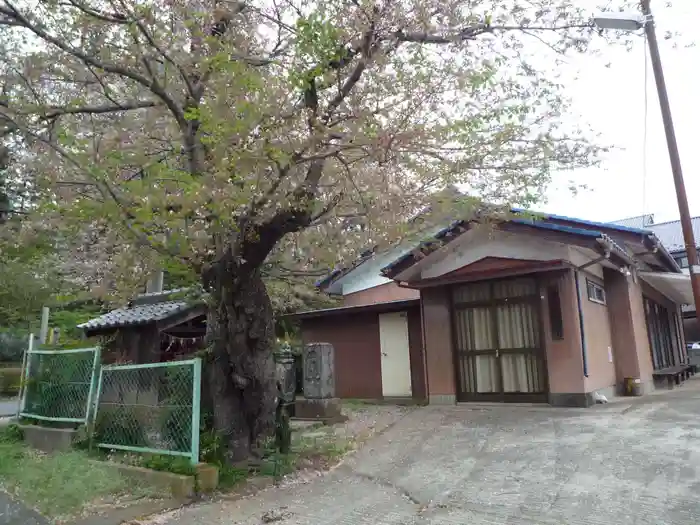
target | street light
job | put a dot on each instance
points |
(621, 21)
(645, 20)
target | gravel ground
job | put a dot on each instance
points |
(368, 420)
(629, 463)
(365, 422)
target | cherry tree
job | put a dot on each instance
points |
(234, 139)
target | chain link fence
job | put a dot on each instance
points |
(152, 408)
(59, 384)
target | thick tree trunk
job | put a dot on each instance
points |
(240, 372)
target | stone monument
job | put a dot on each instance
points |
(320, 402)
(286, 372)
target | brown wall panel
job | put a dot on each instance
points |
(355, 338)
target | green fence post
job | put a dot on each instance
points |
(196, 407)
(91, 391)
(93, 426)
(26, 358)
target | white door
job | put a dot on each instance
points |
(396, 361)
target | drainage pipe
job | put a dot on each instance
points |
(584, 355)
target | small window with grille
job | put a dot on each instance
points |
(596, 292)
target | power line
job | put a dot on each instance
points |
(646, 129)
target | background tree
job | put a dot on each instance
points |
(228, 138)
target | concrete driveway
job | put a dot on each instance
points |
(623, 463)
(13, 512)
(8, 407)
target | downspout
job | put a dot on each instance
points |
(584, 353)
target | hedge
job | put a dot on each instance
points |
(10, 380)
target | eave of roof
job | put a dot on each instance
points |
(337, 273)
(534, 223)
(340, 310)
(643, 232)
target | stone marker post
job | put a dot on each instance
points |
(286, 375)
(320, 401)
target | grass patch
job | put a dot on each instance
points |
(160, 462)
(357, 403)
(230, 476)
(59, 484)
(327, 445)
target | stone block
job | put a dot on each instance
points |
(180, 487)
(572, 399)
(207, 477)
(442, 399)
(319, 371)
(325, 410)
(49, 439)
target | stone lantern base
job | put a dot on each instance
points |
(325, 410)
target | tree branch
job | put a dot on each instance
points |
(101, 109)
(14, 14)
(103, 16)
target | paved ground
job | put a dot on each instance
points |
(8, 407)
(14, 513)
(623, 463)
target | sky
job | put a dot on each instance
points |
(611, 101)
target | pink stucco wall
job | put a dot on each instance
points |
(564, 362)
(599, 345)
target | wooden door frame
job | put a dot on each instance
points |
(541, 353)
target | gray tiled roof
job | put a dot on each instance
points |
(177, 294)
(136, 315)
(671, 234)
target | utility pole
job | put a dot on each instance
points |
(676, 169)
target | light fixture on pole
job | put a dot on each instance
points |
(645, 20)
(620, 21)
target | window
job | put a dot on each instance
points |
(556, 321)
(596, 293)
(664, 337)
(682, 261)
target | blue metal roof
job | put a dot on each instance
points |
(595, 224)
(558, 227)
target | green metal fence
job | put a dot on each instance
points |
(58, 385)
(151, 408)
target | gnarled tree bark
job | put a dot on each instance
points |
(239, 371)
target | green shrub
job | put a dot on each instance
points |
(12, 433)
(10, 381)
(212, 450)
(164, 463)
